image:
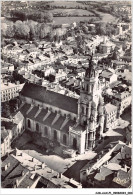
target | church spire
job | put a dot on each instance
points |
(90, 71)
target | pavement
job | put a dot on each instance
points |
(58, 163)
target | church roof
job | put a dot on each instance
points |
(32, 113)
(65, 129)
(57, 125)
(48, 121)
(41, 94)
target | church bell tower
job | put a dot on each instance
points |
(90, 106)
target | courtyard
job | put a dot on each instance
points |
(52, 157)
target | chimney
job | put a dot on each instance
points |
(35, 168)
(22, 173)
(17, 182)
(6, 167)
(33, 159)
(8, 164)
(60, 175)
(43, 165)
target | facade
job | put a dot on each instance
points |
(111, 117)
(9, 91)
(5, 141)
(120, 99)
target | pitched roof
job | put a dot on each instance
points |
(65, 129)
(28, 180)
(110, 108)
(49, 97)
(32, 113)
(4, 134)
(16, 173)
(13, 163)
(41, 115)
(18, 117)
(24, 108)
(103, 174)
(57, 125)
(48, 121)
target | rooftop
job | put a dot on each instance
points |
(40, 93)
(109, 108)
(11, 162)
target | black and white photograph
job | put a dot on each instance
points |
(66, 96)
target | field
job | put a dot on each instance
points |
(69, 20)
(79, 12)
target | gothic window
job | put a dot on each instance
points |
(87, 111)
(55, 134)
(37, 127)
(64, 139)
(29, 124)
(74, 143)
(46, 130)
(87, 87)
(85, 123)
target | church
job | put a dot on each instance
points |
(76, 124)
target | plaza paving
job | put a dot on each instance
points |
(58, 163)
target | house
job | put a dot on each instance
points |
(107, 77)
(5, 141)
(36, 174)
(106, 46)
(7, 166)
(9, 91)
(118, 97)
(111, 118)
(110, 168)
(15, 126)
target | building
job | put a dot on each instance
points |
(5, 141)
(20, 170)
(15, 126)
(118, 97)
(107, 77)
(111, 118)
(64, 119)
(10, 90)
(106, 46)
(110, 168)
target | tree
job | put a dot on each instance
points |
(51, 78)
(21, 29)
(6, 110)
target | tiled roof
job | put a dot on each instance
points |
(24, 108)
(49, 97)
(57, 125)
(10, 180)
(18, 117)
(4, 134)
(106, 74)
(110, 108)
(48, 121)
(32, 113)
(103, 174)
(41, 115)
(13, 163)
(27, 181)
(65, 129)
